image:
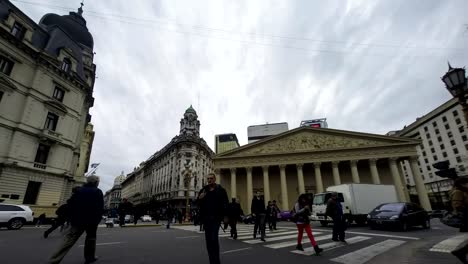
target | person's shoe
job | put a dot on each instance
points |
(235, 237)
(460, 255)
(299, 247)
(262, 239)
(344, 241)
(46, 234)
(91, 260)
(255, 235)
(317, 250)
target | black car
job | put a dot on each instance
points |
(400, 215)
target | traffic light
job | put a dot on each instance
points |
(444, 170)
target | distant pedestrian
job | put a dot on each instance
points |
(301, 214)
(157, 215)
(459, 203)
(335, 211)
(41, 219)
(169, 215)
(259, 213)
(234, 212)
(125, 208)
(86, 207)
(275, 212)
(212, 201)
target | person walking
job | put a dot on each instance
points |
(259, 212)
(169, 215)
(459, 203)
(234, 212)
(275, 211)
(41, 219)
(301, 213)
(86, 207)
(157, 215)
(63, 216)
(125, 208)
(213, 201)
(335, 211)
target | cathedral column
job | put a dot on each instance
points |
(354, 171)
(300, 178)
(397, 180)
(284, 188)
(266, 184)
(420, 187)
(336, 173)
(318, 178)
(374, 171)
(249, 189)
(233, 183)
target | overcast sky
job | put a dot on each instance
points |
(369, 66)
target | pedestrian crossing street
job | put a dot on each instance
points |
(377, 243)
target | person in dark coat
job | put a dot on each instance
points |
(86, 207)
(63, 216)
(212, 201)
(234, 212)
(125, 208)
(170, 215)
(41, 219)
(335, 211)
(259, 212)
(157, 216)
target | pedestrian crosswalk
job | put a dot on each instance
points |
(368, 244)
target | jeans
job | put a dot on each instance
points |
(260, 223)
(70, 239)
(338, 228)
(212, 243)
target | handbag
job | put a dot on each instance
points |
(452, 219)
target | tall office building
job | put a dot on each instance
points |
(258, 132)
(225, 142)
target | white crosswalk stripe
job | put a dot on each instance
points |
(450, 244)
(327, 246)
(363, 255)
(294, 242)
(268, 234)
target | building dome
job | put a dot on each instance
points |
(73, 24)
(119, 179)
(190, 110)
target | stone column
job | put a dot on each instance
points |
(336, 173)
(266, 184)
(300, 178)
(284, 188)
(318, 178)
(233, 183)
(374, 171)
(219, 179)
(403, 180)
(420, 187)
(249, 189)
(354, 171)
(397, 180)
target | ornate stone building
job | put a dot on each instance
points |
(311, 159)
(46, 86)
(113, 197)
(163, 176)
(132, 186)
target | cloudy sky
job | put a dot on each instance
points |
(370, 66)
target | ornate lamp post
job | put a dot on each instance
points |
(456, 84)
(188, 175)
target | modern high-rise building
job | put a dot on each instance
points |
(225, 142)
(316, 123)
(258, 132)
(47, 78)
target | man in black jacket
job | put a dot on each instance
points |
(86, 207)
(259, 212)
(234, 212)
(212, 200)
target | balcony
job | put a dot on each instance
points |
(51, 135)
(40, 166)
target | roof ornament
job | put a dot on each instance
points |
(80, 9)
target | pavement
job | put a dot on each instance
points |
(185, 244)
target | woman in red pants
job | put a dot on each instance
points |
(301, 213)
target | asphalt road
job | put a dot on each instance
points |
(183, 244)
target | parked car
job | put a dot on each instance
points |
(401, 215)
(146, 218)
(437, 213)
(15, 216)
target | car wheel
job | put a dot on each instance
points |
(404, 226)
(323, 223)
(15, 223)
(427, 224)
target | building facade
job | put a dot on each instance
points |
(225, 142)
(309, 159)
(179, 167)
(258, 132)
(46, 86)
(132, 186)
(113, 197)
(443, 137)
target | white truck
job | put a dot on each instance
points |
(357, 201)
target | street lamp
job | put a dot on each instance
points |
(456, 84)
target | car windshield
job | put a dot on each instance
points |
(389, 208)
(319, 199)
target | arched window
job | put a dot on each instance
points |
(66, 65)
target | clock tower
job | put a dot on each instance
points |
(189, 125)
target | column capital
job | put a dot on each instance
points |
(217, 171)
(233, 170)
(335, 163)
(317, 164)
(413, 158)
(282, 166)
(249, 169)
(393, 159)
(372, 161)
(299, 165)
(265, 168)
(354, 162)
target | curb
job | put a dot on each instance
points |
(133, 226)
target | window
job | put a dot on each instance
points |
(66, 65)
(10, 208)
(442, 146)
(447, 126)
(425, 129)
(455, 150)
(32, 191)
(439, 138)
(434, 157)
(431, 175)
(444, 118)
(432, 150)
(428, 135)
(18, 30)
(42, 154)
(458, 121)
(444, 154)
(1, 95)
(58, 94)
(434, 124)
(51, 121)
(464, 138)
(14, 197)
(437, 131)
(426, 160)
(455, 113)
(452, 142)
(461, 129)
(6, 65)
(430, 142)
(428, 168)
(424, 153)
(459, 159)
(450, 134)
(5, 196)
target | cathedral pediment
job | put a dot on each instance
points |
(306, 139)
